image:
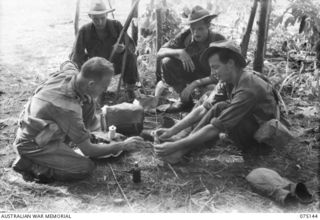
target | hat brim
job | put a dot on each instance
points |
(211, 16)
(205, 55)
(101, 12)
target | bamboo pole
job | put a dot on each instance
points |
(259, 54)
(123, 68)
(317, 75)
(267, 28)
(209, 5)
(134, 23)
(159, 41)
(124, 29)
(110, 6)
(246, 37)
(76, 18)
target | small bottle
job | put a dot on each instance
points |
(136, 173)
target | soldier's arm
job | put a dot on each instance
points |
(204, 81)
(174, 47)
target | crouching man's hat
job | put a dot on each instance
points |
(198, 13)
(223, 45)
(98, 8)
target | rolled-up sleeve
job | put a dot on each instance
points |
(220, 93)
(241, 105)
(177, 42)
(71, 123)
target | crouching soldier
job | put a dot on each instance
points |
(181, 67)
(246, 106)
(64, 108)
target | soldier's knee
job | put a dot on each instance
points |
(88, 166)
(220, 106)
(167, 62)
(170, 69)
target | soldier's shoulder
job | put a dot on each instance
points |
(216, 36)
(86, 27)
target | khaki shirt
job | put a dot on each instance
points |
(185, 41)
(88, 44)
(252, 96)
(57, 110)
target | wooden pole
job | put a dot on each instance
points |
(124, 30)
(76, 18)
(134, 24)
(259, 53)
(152, 4)
(123, 67)
(164, 3)
(246, 37)
(267, 26)
(159, 41)
(209, 5)
(110, 6)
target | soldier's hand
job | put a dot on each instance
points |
(186, 60)
(133, 143)
(185, 94)
(162, 134)
(120, 48)
(131, 48)
(207, 104)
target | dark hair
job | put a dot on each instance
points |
(225, 55)
(96, 68)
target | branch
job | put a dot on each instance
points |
(121, 190)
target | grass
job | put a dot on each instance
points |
(211, 180)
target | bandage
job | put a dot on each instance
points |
(112, 132)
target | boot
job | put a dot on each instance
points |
(31, 171)
(23, 166)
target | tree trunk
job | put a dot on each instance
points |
(152, 4)
(76, 18)
(209, 5)
(259, 53)
(267, 28)
(134, 24)
(246, 37)
(110, 6)
(159, 41)
(164, 3)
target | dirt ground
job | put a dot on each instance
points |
(34, 41)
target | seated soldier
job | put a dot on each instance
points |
(181, 67)
(97, 39)
(63, 108)
(238, 113)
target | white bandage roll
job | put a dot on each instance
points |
(112, 132)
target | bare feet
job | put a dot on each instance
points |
(173, 158)
(168, 148)
(162, 135)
